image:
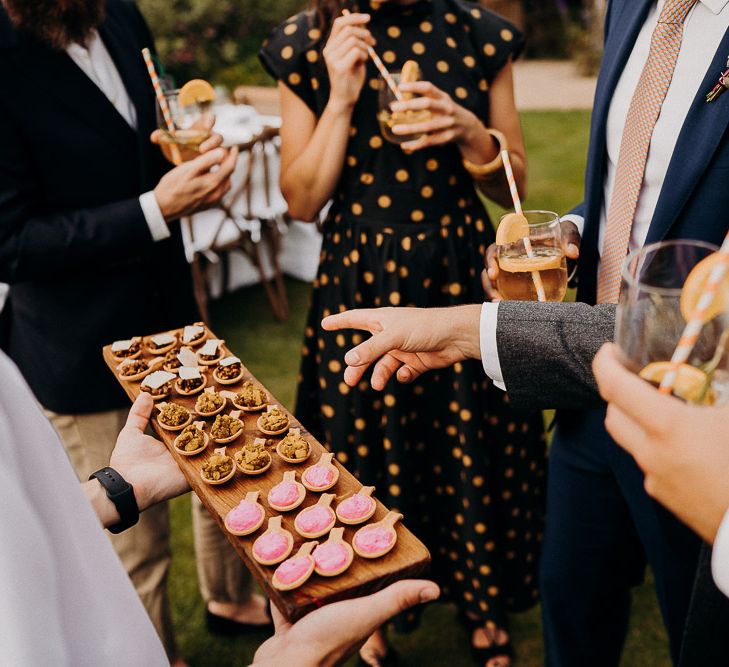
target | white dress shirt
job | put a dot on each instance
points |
(703, 31)
(65, 598)
(94, 60)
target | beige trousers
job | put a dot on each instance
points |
(144, 549)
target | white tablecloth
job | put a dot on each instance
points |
(301, 241)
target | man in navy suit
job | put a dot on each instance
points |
(657, 169)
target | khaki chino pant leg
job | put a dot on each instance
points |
(220, 571)
(144, 550)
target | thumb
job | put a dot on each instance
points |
(372, 611)
(139, 414)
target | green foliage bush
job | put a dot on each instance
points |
(215, 39)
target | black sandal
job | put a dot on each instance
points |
(482, 654)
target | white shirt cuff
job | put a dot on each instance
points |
(489, 350)
(578, 220)
(153, 215)
(720, 557)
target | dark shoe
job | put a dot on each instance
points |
(225, 627)
(390, 659)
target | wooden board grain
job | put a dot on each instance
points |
(409, 558)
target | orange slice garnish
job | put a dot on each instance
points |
(512, 228)
(197, 91)
(690, 381)
(694, 286)
(523, 263)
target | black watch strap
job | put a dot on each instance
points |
(121, 493)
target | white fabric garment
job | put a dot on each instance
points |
(720, 557)
(95, 61)
(65, 598)
(704, 29)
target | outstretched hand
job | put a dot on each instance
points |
(144, 461)
(331, 634)
(407, 342)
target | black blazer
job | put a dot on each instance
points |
(74, 244)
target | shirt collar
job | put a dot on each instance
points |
(715, 6)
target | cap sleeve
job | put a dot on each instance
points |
(496, 40)
(288, 53)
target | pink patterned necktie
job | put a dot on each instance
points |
(645, 108)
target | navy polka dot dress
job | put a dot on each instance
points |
(409, 230)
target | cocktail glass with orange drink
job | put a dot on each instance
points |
(529, 251)
(190, 109)
(662, 283)
(386, 96)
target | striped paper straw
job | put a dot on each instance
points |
(536, 277)
(381, 68)
(693, 328)
(146, 54)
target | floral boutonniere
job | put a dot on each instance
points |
(720, 87)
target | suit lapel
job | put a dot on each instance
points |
(702, 132)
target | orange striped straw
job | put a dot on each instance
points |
(381, 68)
(147, 55)
(536, 277)
(696, 322)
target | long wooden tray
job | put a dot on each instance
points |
(409, 558)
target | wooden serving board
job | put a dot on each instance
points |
(409, 557)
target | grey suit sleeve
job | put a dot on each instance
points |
(546, 352)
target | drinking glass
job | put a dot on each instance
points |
(388, 119)
(515, 281)
(190, 130)
(649, 322)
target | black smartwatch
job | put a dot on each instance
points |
(121, 493)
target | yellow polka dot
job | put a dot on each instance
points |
(417, 216)
(294, 79)
(451, 42)
(341, 341)
(459, 576)
(384, 201)
(406, 243)
(418, 48)
(354, 256)
(390, 265)
(312, 56)
(478, 481)
(459, 519)
(369, 277)
(402, 175)
(431, 165)
(393, 31)
(360, 424)
(362, 450)
(454, 289)
(395, 298)
(374, 84)
(375, 142)
(287, 52)
(314, 83)
(404, 273)
(451, 430)
(442, 66)
(451, 18)
(290, 29)
(489, 49)
(351, 160)
(394, 490)
(461, 93)
(426, 191)
(357, 209)
(327, 410)
(476, 13)
(389, 56)
(469, 61)
(314, 33)
(335, 366)
(343, 388)
(426, 26)
(393, 469)
(465, 415)
(389, 400)
(386, 444)
(367, 179)
(342, 457)
(507, 35)
(467, 461)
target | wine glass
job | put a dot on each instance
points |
(649, 322)
(388, 119)
(516, 281)
(190, 124)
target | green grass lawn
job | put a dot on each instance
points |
(556, 144)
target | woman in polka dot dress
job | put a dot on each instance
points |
(406, 228)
